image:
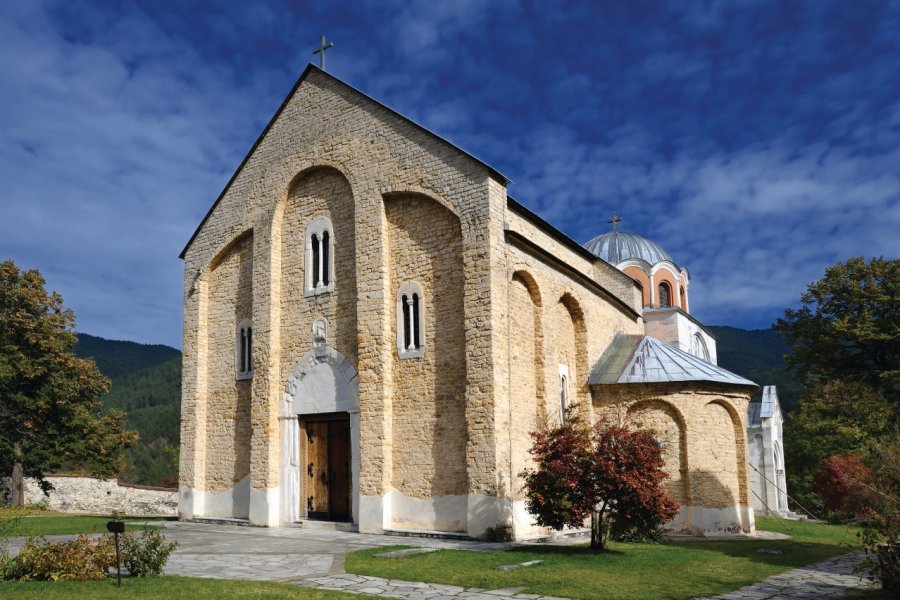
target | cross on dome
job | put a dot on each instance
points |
(614, 220)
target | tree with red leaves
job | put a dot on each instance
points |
(842, 481)
(599, 473)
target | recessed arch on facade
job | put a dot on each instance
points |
(739, 450)
(670, 428)
(578, 380)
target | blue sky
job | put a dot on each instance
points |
(756, 142)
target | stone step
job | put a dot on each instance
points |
(423, 533)
(326, 525)
(221, 521)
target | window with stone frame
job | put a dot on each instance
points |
(243, 360)
(319, 257)
(410, 320)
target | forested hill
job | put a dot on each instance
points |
(115, 358)
(758, 355)
(146, 384)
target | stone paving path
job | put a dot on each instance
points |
(316, 559)
(832, 578)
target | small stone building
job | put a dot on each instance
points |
(767, 478)
(373, 326)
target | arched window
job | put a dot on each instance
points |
(683, 299)
(410, 321)
(563, 391)
(319, 257)
(699, 348)
(244, 351)
(665, 295)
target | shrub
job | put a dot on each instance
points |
(81, 559)
(606, 473)
(146, 553)
(843, 484)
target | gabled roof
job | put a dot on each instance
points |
(310, 68)
(645, 359)
(767, 408)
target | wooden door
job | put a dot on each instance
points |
(326, 481)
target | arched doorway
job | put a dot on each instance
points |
(320, 439)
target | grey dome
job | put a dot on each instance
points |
(616, 246)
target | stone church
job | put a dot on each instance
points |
(373, 326)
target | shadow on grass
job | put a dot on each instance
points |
(563, 550)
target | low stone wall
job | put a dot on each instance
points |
(75, 494)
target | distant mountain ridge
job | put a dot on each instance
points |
(115, 358)
(758, 355)
(146, 384)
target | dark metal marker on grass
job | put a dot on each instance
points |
(115, 528)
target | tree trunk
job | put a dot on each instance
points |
(596, 544)
(17, 481)
(600, 525)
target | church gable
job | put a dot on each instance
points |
(326, 122)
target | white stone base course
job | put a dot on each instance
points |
(96, 496)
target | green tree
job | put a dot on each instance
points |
(49, 408)
(834, 419)
(848, 327)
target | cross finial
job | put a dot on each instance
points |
(321, 51)
(614, 220)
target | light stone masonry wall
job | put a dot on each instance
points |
(565, 304)
(228, 413)
(429, 391)
(87, 495)
(710, 421)
(327, 124)
(317, 193)
(615, 281)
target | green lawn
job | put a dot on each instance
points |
(46, 522)
(162, 588)
(675, 569)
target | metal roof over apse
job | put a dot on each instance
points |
(616, 246)
(644, 359)
(757, 411)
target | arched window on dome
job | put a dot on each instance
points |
(683, 299)
(699, 348)
(665, 295)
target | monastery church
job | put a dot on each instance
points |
(372, 327)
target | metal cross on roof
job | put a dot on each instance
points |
(321, 51)
(614, 220)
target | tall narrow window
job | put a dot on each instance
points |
(563, 391)
(665, 296)
(410, 321)
(319, 257)
(407, 322)
(244, 351)
(683, 300)
(326, 252)
(417, 339)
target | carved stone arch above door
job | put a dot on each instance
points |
(323, 381)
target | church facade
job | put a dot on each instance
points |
(373, 327)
